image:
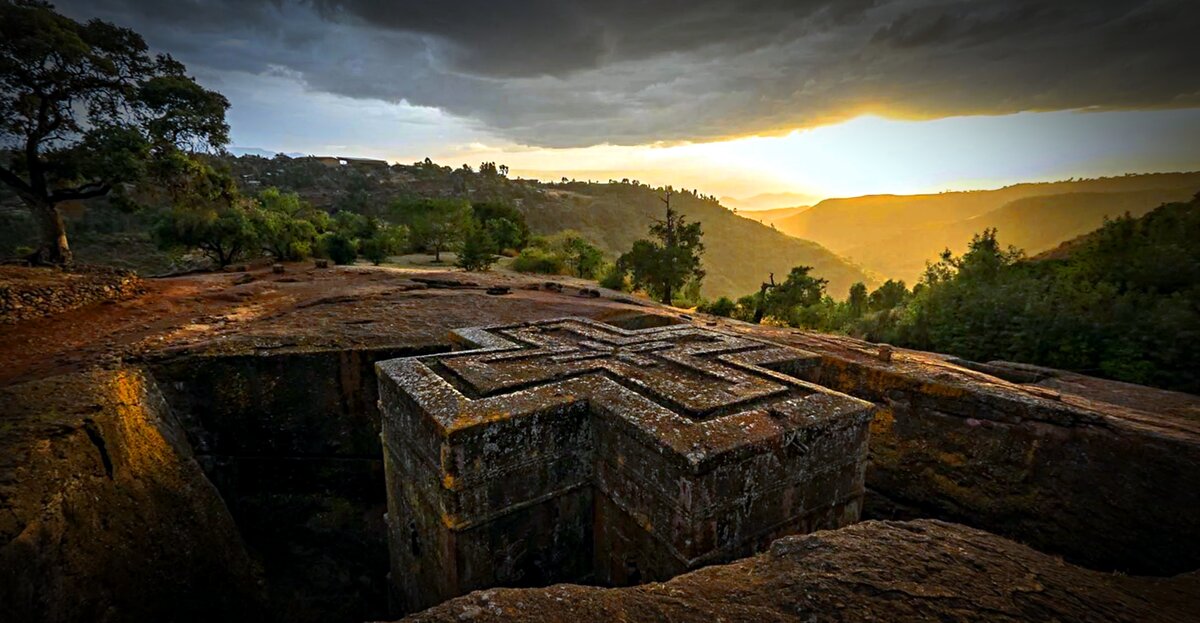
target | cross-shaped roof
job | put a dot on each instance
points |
(699, 440)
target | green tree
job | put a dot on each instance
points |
(353, 225)
(857, 302)
(505, 233)
(206, 213)
(505, 224)
(799, 290)
(477, 249)
(85, 108)
(662, 265)
(433, 224)
(582, 256)
(384, 242)
(890, 295)
(339, 247)
(282, 228)
(723, 306)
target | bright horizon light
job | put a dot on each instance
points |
(868, 154)
(874, 155)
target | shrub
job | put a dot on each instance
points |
(723, 307)
(477, 250)
(339, 247)
(538, 260)
(614, 278)
(223, 233)
(386, 240)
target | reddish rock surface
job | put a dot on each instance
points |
(306, 309)
(1106, 474)
(881, 571)
(34, 292)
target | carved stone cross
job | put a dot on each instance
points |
(570, 450)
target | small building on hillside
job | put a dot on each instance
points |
(368, 163)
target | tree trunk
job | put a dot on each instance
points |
(666, 294)
(760, 306)
(54, 248)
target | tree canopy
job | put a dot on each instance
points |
(85, 109)
(663, 264)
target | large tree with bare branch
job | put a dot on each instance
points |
(86, 111)
(663, 264)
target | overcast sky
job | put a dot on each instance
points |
(923, 93)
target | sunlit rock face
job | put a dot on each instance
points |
(569, 450)
(105, 514)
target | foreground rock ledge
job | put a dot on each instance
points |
(873, 571)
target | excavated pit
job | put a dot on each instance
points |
(288, 441)
(291, 442)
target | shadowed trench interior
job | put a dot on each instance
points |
(291, 441)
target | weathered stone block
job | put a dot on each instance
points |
(569, 450)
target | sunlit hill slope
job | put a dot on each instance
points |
(894, 235)
(740, 253)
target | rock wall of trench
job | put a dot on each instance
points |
(291, 440)
(1104, 491)
(104, 513)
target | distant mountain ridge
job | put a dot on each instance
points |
(894, 235)
(769, 201)
(262, 153)
(770, 217)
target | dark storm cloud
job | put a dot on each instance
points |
(553, 37)
(559, 73)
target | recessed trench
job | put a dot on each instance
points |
(291, 441)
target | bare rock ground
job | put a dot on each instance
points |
(883, 571)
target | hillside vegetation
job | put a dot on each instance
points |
(740, 253)
(893, 235)
(1033, 224)
(1122, 302)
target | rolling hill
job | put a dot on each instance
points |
(768, 201)
(740, 252)
(1033, 224)
(894, 235)
(772, 216)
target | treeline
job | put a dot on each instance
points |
(1121, 303)
(208, 213)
